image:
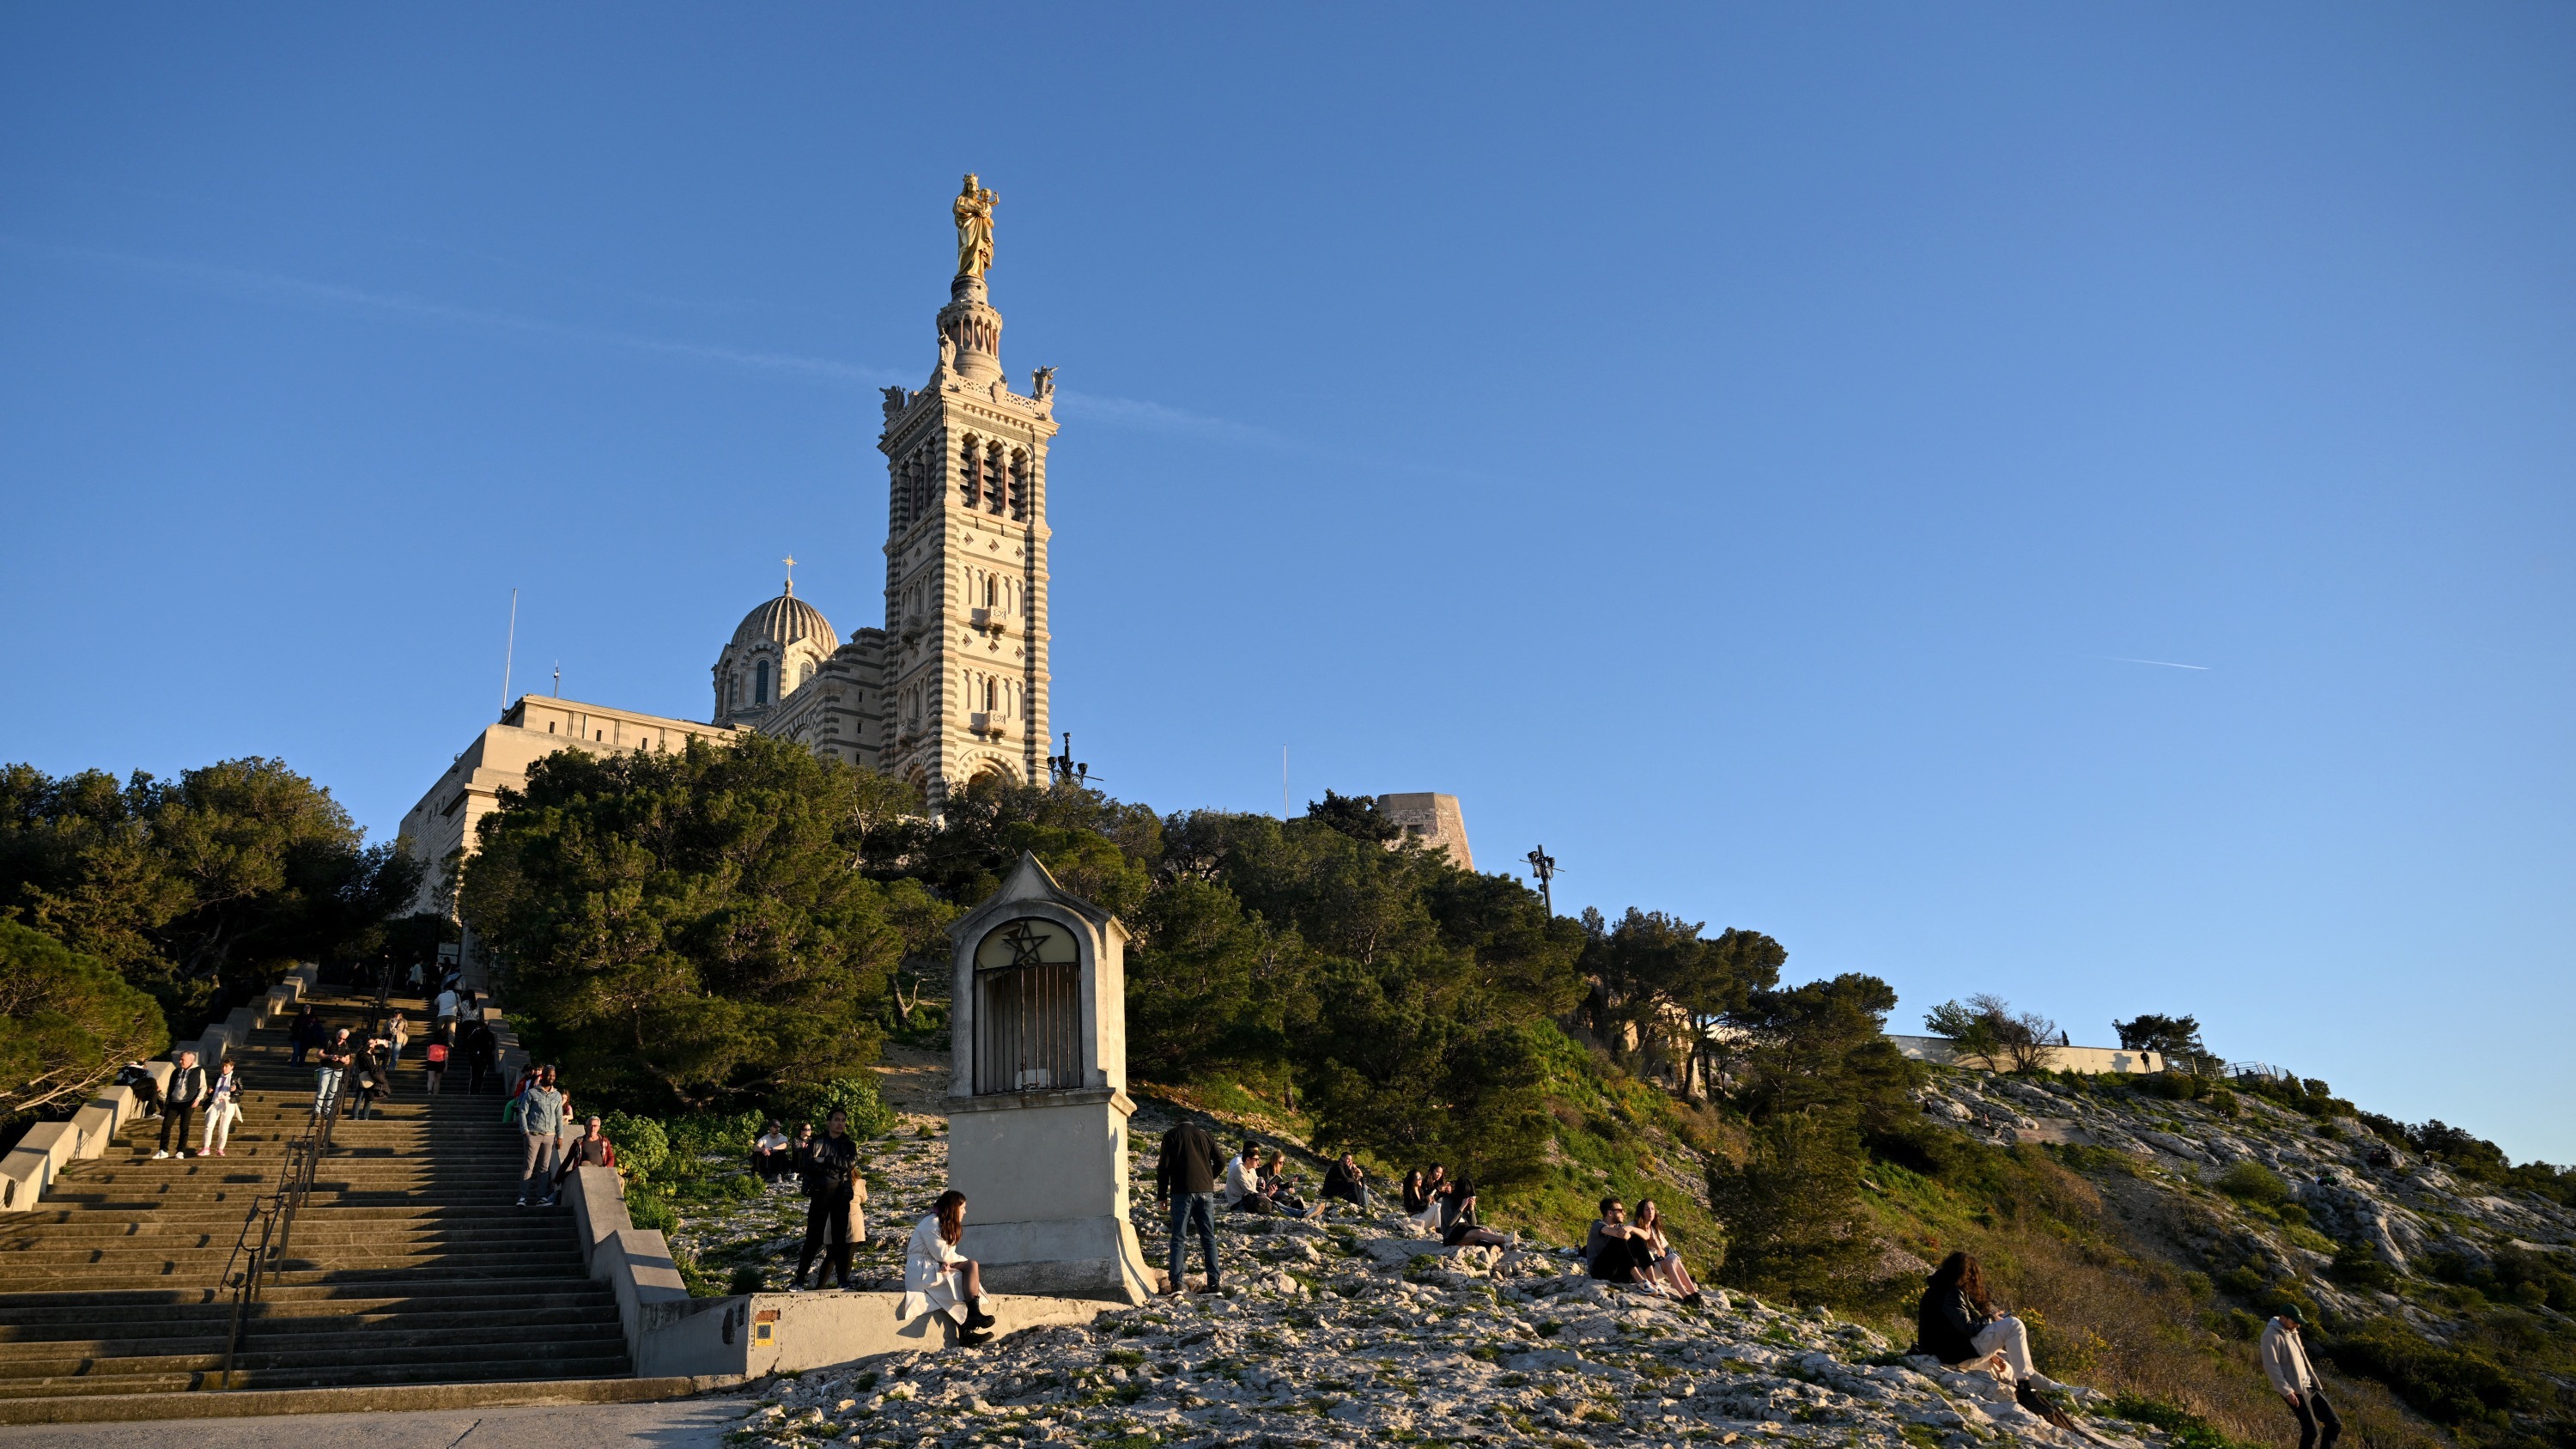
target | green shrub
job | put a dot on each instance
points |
(859, 1095)
(2189, 1430)
(2451, 1386)
(647, 1211)
(2226, 1103)
(2197, 1284)
(642, 1147)
(2356, 1266)
(2242, 1282)
(2291, 1213)
(747, 1279)
(2172, 1086)
(2255, 1183)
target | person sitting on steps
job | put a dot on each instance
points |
(939, 1279)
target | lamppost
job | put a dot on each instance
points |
(1543, 865)
(1063, 770)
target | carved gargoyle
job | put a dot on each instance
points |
(895, 398)
(1043, 383)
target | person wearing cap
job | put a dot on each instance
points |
(2285, 1359)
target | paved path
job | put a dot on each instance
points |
(687, 1424)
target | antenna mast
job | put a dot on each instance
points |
(509, 647)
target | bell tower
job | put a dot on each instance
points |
(966, 684)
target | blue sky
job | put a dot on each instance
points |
(1756, 451)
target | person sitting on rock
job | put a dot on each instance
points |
(1647, 1223)
(1283, 1194)
(939, 1279)
(1959, 1324)
(1430, 1213)
(772, 1155)
(1347, 1180)
(1463, 1230)
(1615, 1253)
(1243, 1192)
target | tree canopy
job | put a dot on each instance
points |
(690, 928)
(188, 887)
(67, 1022)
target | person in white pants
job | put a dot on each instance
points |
(223, 1109)
(1959, 1325)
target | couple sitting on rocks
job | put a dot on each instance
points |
(1256, 1182)
(1618, 1250)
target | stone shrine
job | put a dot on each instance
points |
(1038, 1105)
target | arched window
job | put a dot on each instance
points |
(760, 682)
(805, 676)
(1019, 486)
(970, 471)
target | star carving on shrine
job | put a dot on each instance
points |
(1025, 945)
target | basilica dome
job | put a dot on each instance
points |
(776, 650)
(783, 621)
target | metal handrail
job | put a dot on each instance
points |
(274, 1214)
(317, 1145)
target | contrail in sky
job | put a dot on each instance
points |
(2159, 663)
(1142, 416)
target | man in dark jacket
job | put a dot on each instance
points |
(1187, 1177)
(831, 1172)
(188, 1089)
(480, 1049)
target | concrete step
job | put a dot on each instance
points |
(376, 1398)
(179, 1382)
(187, 1335)
(300, 1257)
(41, 1313)
(438, 1355)
(413, 1280)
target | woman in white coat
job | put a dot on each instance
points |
(223, 1109)
(939, 1279)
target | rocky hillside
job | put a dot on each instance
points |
(2153, 1232)
(1349, 1333)
(2142, 1235)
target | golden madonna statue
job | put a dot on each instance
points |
(974, 228)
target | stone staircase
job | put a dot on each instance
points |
(408, 1263)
